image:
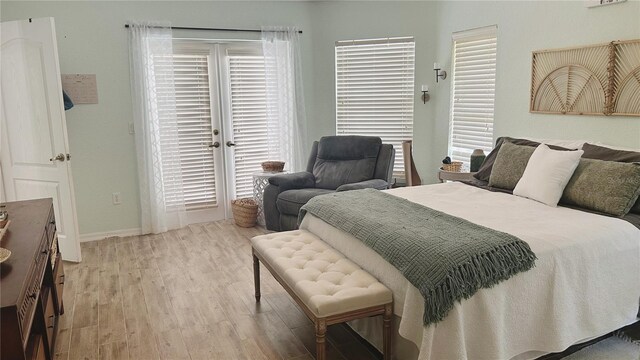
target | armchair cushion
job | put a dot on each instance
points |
(368, 184)
(289, 202)
(345, 159)
(297, 180)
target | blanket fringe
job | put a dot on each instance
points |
(482, 271)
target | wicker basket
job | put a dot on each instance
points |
(273, 166)
(455, 166)
(245, 212)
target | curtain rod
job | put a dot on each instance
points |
(212, 29)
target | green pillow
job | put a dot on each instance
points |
(604, 153)
(605, 186)
(509, 165)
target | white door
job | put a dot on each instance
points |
(244, 98)
(35, 152)
(199, 134)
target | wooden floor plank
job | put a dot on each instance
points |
(84, 343)
(111, 327)
(114, 351)
(62, 341)
(85, 312)
(307, 337)
(141, 339)
(171, 345)
(197, 338)
(88, 279)
(226, 343)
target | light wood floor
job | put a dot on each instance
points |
(185, 294)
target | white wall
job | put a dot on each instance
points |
(522, 28)
(92, 39)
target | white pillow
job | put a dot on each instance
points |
(547, 174)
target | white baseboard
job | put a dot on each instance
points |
(103, 235)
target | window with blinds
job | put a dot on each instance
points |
(193, 113)
(473, 92)
(375, 89)
(248, 94)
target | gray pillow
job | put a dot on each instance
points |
(484, 173)
(604, 153)
(605, 186)
(509, 166)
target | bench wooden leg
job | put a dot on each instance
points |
(256, 276)
(321, 331)
(386, 332)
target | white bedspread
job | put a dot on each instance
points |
(586, 281)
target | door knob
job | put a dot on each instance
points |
(215, 145)
(229, 143)
(59, 157)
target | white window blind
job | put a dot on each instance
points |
(375, 89)
(473, 92)
(193, 112)
(249, 118)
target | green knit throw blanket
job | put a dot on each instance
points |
(447, 258)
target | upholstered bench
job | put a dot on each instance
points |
(328, 287)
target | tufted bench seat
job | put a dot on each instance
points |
(328, 287)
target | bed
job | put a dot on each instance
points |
(586, 281)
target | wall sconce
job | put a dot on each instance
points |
(440, 74)
(425, 93)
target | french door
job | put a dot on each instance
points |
(222, 124)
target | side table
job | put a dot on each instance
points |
(260, 182)
(454, 176)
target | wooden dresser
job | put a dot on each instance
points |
(31, 282)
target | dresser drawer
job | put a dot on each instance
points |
(51, 226)
(35, 348)
(58, 278)
(28, 305)
(27, 310)
(50, 317)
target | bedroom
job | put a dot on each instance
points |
(92, 39)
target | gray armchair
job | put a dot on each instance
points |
(336, 163)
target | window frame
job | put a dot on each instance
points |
(405, 82)
(476, 34)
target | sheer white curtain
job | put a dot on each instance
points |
(156, 134)
(285, 101)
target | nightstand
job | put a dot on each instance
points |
(454, 176)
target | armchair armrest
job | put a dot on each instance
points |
(278, 184)
(367, 184)
(299, 180)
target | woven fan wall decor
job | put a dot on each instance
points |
(589, 80)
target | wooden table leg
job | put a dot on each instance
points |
(321, 330)
(256, 276)
(387, 345)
